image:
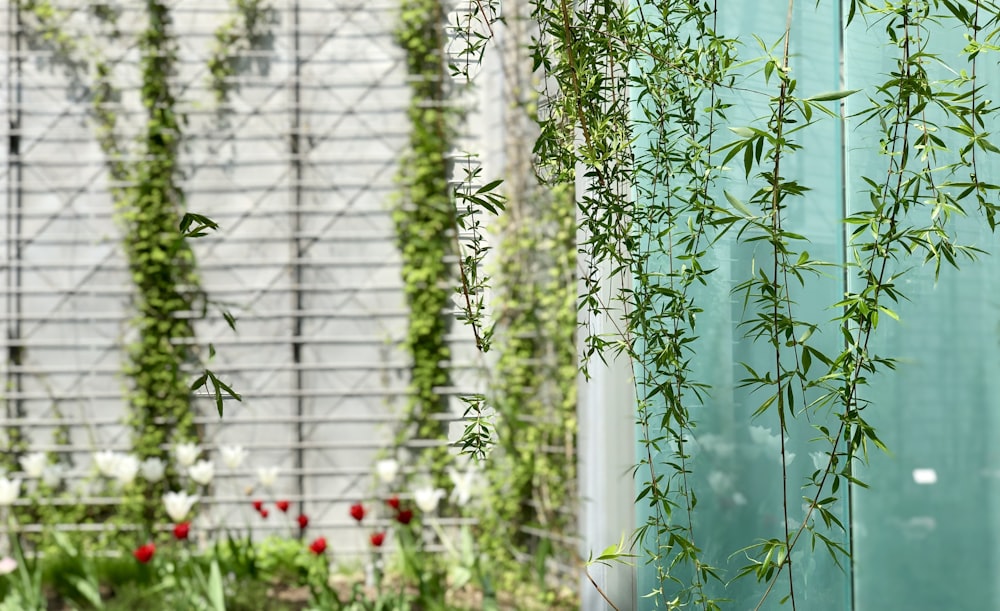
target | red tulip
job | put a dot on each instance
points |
(378, 539)
(404, 516)
(145, 553)
(264, 513)
(283, 506)
(393, 501)
(318, 546)
(181, 530)
(358, 511)
(258, 505)
(303, 521)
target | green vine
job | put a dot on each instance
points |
(149, 201)
(246, 30)
(525, 425)
(49, 29)
(425, 226)
(649, 95)
(162, 267)
(532, 468)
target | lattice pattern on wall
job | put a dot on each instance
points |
(297, 171)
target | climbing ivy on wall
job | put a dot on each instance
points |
(247, 29)
(161, 263)
(524, 425)
(425, 221)
(149, 202)
(532, 469)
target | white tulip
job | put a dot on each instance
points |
(107, 462)
(178, 505)
(427, 498)
(126, 468)
(202, 472)
(33, 464)
(267, 476)
(233, 456)
(186, 454)
(152, 469)
(386, 470)
(10, 489)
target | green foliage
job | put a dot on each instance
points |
(534, 391)
(246, 30)
(473, 28)
(174, 578)
(525, 424)
(653, 213)
(162, 266)
(472, 202)
(239, 574)
(21, 590)
(49, 30)
(149, 200)
(425, 227)
(532, 469)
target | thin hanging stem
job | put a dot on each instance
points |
(777, 253)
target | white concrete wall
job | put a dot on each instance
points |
(330, 284)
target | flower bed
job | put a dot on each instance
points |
(414, 560)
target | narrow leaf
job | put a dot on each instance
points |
(738, 204)
(832, 95)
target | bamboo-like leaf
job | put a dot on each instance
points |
(740, 206)
(832, 95)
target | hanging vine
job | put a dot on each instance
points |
(647, 91)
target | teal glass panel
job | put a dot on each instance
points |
(924, 536)
(735, 460)
(927, 531)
